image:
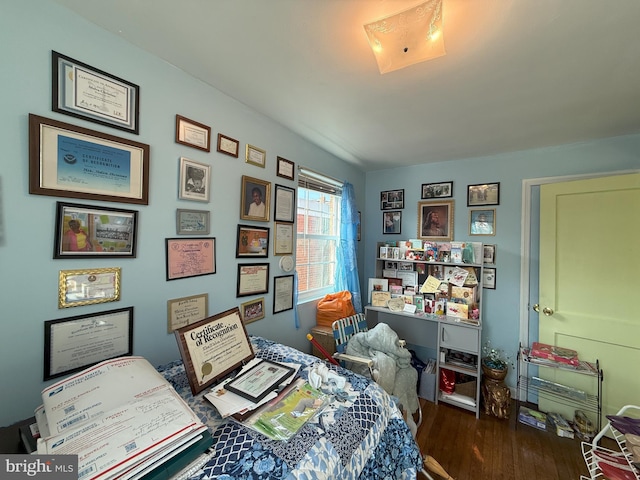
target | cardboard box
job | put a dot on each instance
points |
(536, 419)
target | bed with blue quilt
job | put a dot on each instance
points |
(364, 439)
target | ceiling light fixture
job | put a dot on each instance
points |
(408, 37)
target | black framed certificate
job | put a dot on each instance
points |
(260, 380)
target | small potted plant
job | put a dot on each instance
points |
(495, 362)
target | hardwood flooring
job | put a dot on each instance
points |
(489, 448)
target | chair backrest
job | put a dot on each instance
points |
(345, 328)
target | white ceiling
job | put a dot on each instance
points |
(518, 74)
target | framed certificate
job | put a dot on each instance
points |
(283, 293)
(285, 209)
(190, 257)
(260, 380)
(252, 279)
(283, 243)
(213, 348)
(86, 287)
(193, 134)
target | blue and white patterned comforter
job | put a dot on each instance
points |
(363, 439)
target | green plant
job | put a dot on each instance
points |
(495, 358)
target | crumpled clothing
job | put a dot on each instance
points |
(320, 376)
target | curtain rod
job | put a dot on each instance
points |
(319, 176)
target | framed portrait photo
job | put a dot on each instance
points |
(195, 180)
(489, 278)
(190, 257)
(437, 190)
(252, 310)
(285, 204)
(255, 199)
(193, 134)
(286, 168)
(61, 163)
(228, 145)
(192, 222)
(77, 288)
(489, 254)
(82, 91)
(392, 222)
(392, 199)
(435, 220)
(256, 156)
(85, 231)
(252, 241)
(483, 194)
(482, 222)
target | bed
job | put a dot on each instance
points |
(368, 439)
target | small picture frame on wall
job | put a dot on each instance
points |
(286, 168)
(482, 222)
(192, 222)
(489, 255)
(437, 190)
(283, 293)
(252, 241)
(193, 134)
(285, 204)
(392, 222)
(255, 199)
(228, 146)
(256, 156)
(252, 310)
(78, 288)
(435, 220)
(195, 180)
(483, 194)
(392, 199)
(489, 278)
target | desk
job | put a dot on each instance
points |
(434, 336)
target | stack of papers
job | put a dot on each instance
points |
(122, 419)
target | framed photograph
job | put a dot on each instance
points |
(392, 199)
(207, 358)
(253, 279)
(256, 156)
(85, 231)
(255, 199)
(260, 380)
(190, 257)
(195, 180)
(286, 168)
(437, 190)
(489, 254)
(70, 161)
(186, 310)
(282, 293)
(252, 310)
(74, 343)
(228, 146)
(192, 222)
(252, 241)
(283, 241)
(285, 204)
(392, 222)
(82, 91)
(483, 194)
(435, 220)
(482, 222)
(193, 134)
(77, 288)
(489, 278)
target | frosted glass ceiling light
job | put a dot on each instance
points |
(411, 36)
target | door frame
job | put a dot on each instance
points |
(525, 237)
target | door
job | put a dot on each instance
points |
(590, 283)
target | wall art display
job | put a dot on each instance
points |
(252, 279)
(489, 254)
(85, 92)
(435, 220)
(74, 343)
(255, 199)
(286, 168)
(186, 310)
(283, 241)
(482, 222)
(489, 278)
(256, 156)
(85, 231)
(193, 134)
(77, 288)
(228, 145)
(252, 241)
(192, 222)
(282, 293)
(190, 257)
(392, 222)
(392, 199)
(195, 180)
(213, 348)
(483, 194)
(285, 204)
(70, 161)
(437, 190)
(252, 310)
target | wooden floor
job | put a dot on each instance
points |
(489, 448)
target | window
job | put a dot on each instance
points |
(318, 234)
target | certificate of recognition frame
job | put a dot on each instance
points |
(82, 91)
(252, 279)
(190, 257)
(193, 134)
(70, 161)
(260, 380)
(74, 343)
(213, 348)
(78, 288)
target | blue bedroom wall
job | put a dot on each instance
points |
(29, 31)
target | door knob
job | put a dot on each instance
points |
(536, 307)
(547, 311)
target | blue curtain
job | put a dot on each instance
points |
(347, 268)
